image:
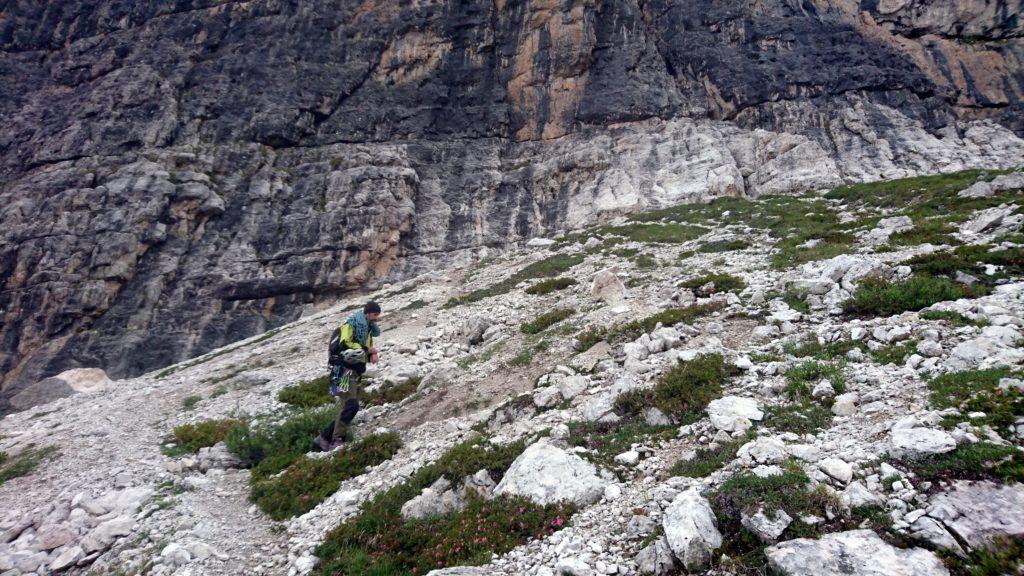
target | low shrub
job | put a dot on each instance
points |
(378, 541)
(955, 319)
(189, 438)
(978, 391)
(645, 261)
(550, 285)
(683, 392)
(546, 320)
(811, 347)
(671, 233)
(979, 461)
(633, 330)
(270, 448)
(308, 481)
(190, 402)
(610, 440)
(796, 299)
(24, 463)
(1002, 556)
(878, 297)
(707, 461)
(723, 246)
(800, 379)
(546, 268)
(722, 282)
(391, 393)
(895, 353)
(308, 394)
(799, 417)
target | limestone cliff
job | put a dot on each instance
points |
(177, 174)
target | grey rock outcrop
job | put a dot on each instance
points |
(857, 553)
(177, 176)
(691, 529)
(978, 512)
(547, 474)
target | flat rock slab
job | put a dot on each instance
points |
(977, 512)
(853, 553)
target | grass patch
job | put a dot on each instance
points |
(707, 461)
(955, 319)
(813, 348)
(925, 232)
(479, 357)
(522, 358)
(308, 394)
(309, 481)
(415, 305)
(379, 542)
(683, 392)
(1003, 556)
(895, 353)
(610, 440)
(632, 330)
(878, 297)
(979, 461)
(669, 233)
(190, 402)
(551, 266)
(24, 463)
(978, 391)
(645, 262)
(391, 393)
(746, 493)
(796, 299)
(971, 260)
(189, 438)
(800, 379)
(546, 320)
(721, 283)
(269, 449)
(550, 285)
(723, 246)
(800, 417)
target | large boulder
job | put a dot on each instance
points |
(436, 500)
(734, 413)
(691, 529)
(979, 512)
(920, 441)
(608, 287)
(65, 384)
(547, 474)
(853, 553)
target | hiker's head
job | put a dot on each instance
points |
(372, 311)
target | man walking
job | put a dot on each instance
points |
(350, 348)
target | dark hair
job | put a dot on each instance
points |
(371, 308)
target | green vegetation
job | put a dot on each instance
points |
(415, 305)
(309, 481)
(926, 231)
(522, 358)
(550, 285)
(707, 461)
(315, 392)
(723, 246)
(895, 353)
(549, 267)
(379, 542)
(1002, 556)
(978, 391)
(610, 440)
(811, 347)
(190, 402)
(878, 297)
(270, 448)
(796, 299)
(682, 392)
(632, 330)
(645, 261)
(189, 438)
(971, 260)
(982, 460)
(800, 417)
(955, 319)
(546, 320)
(670, 233)
(479, 357)
(24, 463)
(804, 414)
(722, 282)
(747, 493)
(308, 394)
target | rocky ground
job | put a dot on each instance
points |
(832, 423)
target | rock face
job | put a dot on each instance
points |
(178, 175)
(857, 553)
(691, 529)
(978, 512)
(547, 474)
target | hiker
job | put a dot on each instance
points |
(350, 348)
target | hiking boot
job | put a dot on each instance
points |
(322, 443)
